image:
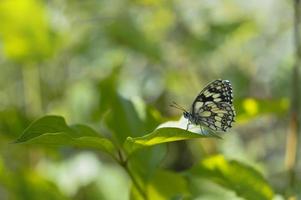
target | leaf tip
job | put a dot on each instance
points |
(17, 141)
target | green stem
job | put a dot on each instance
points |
(135, 182)
(124, 164)
(294, 129)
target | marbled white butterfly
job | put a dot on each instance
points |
(212, 108)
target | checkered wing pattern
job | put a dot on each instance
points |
(213, 106)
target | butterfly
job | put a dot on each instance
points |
(212, 107)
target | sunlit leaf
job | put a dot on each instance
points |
(134, 194)
(26, 32)
(233, 175)
(249, 108)
(53, 130)
(160, 135)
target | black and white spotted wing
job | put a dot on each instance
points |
(213, 106)
(216, 116)
(216, 91)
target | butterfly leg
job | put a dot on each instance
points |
(187, 126)
(202, 130)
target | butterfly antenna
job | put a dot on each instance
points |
(177, 106)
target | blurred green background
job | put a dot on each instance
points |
(85, 60)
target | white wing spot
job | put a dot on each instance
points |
(205, 114)
(207, 93)
(216, 95)
(218, 124)
(217, 118)
(217, 99)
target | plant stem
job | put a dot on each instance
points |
(140, 190)
(124, 164)
(294, 129)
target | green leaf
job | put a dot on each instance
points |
(123, 120)
(163, 185)
(244, 180)
(134, 194)
(167, 185)
(53, 130)
(158, 136)
(250, 108)
(124, 32)
(124, 117)
(216, 35)
(145, 162)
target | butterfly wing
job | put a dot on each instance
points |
(213, 106)
(217, 116)
(216, 91)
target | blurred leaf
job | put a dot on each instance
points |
(217, 33)
(243, 179)
(107, 88)
(163, 185)
(146, 161)
(12, 122)
(167, 185)
(25, 31)
(123, 117)
(134, 194)
(249, 108)
(203, 188)
(158, 136)
(53, 130)
(26, 184)
(240, 80)
(89, 191)
(124, 32)
(126, 118)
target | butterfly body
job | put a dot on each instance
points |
(213, 107)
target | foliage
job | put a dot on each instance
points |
(53, 130)
(244, 180)
(94, 79)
